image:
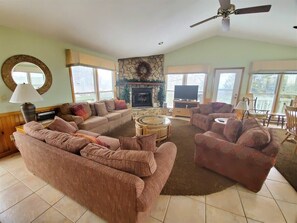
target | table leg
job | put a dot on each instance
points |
(268, 121)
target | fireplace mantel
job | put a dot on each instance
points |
(144, 83)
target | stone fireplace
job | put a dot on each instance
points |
(142, 97)
(141, 78)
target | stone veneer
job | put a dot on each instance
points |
(127, 71)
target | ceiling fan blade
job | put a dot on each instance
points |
(225, 4)
(256, 9)
(226, 24)
(203, 21)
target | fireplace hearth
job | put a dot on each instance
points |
(142, 97)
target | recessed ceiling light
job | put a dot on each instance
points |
(295, 27)
(161, 43)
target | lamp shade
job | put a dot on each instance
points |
(242, 105)
(25, 93)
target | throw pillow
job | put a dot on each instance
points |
(120, 104)
(232, 129)
(65, 109)
(83, 110)
(92, 139)
(110, 106)
(61, 125)
(146, 143)
(92, 107)
(256, 138)
(205, 109)
(217, 105)
(249, 124)
(65, 141)
(140, 163)
(101, 109)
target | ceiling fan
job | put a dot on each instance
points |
(227, 9)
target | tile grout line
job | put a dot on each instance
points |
(167, 209)
(241, 204)
(82, 215)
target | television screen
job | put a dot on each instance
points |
(186, 92)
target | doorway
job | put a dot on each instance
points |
(226, 85)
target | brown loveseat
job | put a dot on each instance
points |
(204, 116)
(111, 193)
(243, 152)
(101, 117)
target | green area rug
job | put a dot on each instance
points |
(186, 178)
(286, 160)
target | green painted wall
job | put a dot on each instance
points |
(51, 52)
(223, 52)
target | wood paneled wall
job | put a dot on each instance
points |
(8, 122)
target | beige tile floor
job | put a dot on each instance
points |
(26, 198)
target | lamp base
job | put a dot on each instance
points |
(28, 111)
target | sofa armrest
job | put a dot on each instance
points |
(229, 149)
(195, 110)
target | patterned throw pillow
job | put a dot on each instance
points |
(82, 110)
(92, 139)
(140, 163)
(61, 125)
(146, 143)
(120, 104)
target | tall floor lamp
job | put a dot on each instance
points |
(25, 94)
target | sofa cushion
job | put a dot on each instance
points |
(216, 106)
(120, 104)
(82, 109)
(249, 124)
(110, 106)
(146, 142)
(65, 141)
(113, 116)
(93, 122)
(92, 107)
(214, 135)
(92, 139)
(112, 142)
(205, 109)
(140, 163)
(36, 130)
(61, 125)
(123, 112)
(226, 108)
(257, 138)
(232, 129)
(101, 108)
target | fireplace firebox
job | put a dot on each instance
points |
(142, 97)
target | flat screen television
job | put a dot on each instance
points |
(186, 92)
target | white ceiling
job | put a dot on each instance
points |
(132, 28)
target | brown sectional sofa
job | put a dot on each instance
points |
(203, 117)
(111, 193)
(97, 121)
(246, 155)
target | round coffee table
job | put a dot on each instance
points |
(150, 124)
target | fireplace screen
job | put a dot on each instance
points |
(142, 97)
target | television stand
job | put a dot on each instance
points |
(183, 108)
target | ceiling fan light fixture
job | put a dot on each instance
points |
(226, 24)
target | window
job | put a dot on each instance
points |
(273, 90)
(36, 79)
(184, 79)
(90, 84)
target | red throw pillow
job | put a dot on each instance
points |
(120, 104)
(79, 110)
(92, 139)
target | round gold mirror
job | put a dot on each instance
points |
(20, 69)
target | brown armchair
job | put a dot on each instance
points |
(204, 116)
(245, 156)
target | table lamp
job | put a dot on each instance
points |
(241, 108)
(25, 93)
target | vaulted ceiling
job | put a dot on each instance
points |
(131, 28)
